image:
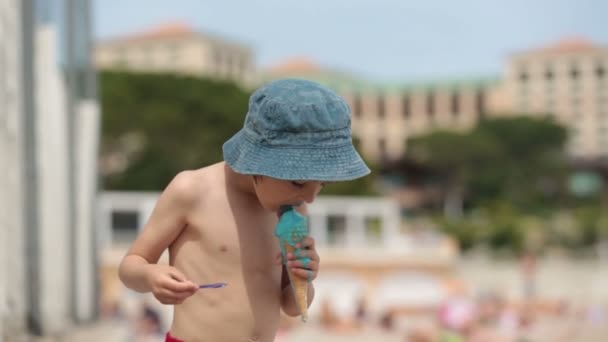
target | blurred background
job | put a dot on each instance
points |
(485, 124)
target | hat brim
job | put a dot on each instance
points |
(328, 164)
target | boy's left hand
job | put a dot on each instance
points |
(298, 265)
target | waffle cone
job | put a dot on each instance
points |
(299, 286)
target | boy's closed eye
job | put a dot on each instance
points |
(302, 184)
(298, 184)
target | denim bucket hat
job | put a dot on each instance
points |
(296, 130)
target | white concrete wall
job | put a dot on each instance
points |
(53, 173)
(46, 265)
(557, 278)
(354, 209)
(12, 270)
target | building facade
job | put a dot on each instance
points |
(49, 133)
(178, 48)
(384, 119)
(566, 81)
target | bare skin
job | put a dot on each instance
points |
(219, 227)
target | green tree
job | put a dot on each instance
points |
(462, 159)
(156, 125)
(160, 124)
(517, 159)
(532, 169)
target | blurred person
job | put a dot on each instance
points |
(527, 320)
(508, 322)
(387, 320)
(149, 327)
(489, 308)
(329, 319)
(217, 222)
(456, 317)
(529, 270)
(457, 313)
(361, 313)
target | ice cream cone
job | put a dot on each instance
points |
(291, 230)
(299, 286)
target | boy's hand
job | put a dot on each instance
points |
(169, 285)
(298, 266)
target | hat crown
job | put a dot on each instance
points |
(296, 106)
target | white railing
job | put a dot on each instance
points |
(354, 211)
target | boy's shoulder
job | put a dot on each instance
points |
(189, 186)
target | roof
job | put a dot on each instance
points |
(299, 64)
(346, 82)
(574, 44)
(166, 30)
(171, 30)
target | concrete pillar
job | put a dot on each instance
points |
(355, 228)
(104, 223)
(87, 136)
(12, 227)
(391, 226)
(53, 172)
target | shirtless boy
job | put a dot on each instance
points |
(218, 221)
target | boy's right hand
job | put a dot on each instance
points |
(169, 285)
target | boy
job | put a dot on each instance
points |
(218, 222)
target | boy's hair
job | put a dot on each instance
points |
(296, 130)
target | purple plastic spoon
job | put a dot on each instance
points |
(212, 286)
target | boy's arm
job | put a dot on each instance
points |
(166, 222)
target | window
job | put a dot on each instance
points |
(523, 76)
(480, 103)
(600, 71)
(455, 104)
(549, 74)
(430, 104)
(124, 225)
(373, 231)
(336, 230)
(405, 106)
(357, 105)
(381, 106)
(382, 147)
(574, 72)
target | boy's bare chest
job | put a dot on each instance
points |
(238, 238)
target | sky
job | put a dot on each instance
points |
(383, 40)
